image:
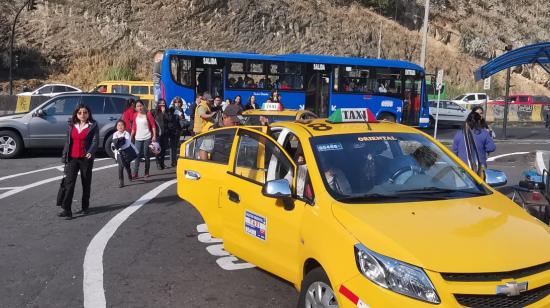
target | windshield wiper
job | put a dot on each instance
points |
(432, 189)
(367, 197)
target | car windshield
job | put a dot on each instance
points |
(363, 168)
(255, 119)
(459, 97)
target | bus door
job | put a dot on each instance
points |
(209, 76)
(317, 88)
(411, 100)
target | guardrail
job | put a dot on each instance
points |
(10, 104)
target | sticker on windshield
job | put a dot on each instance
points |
(255, 225)
(337, 146)
(377, 138)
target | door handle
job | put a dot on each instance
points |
(113, 118)
(233, 196)
(192, 175)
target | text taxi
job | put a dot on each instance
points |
(274, 112)
(365, 214)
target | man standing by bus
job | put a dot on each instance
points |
(203, 114)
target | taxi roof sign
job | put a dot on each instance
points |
(343, 115)
(272, 106)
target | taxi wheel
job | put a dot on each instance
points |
(317, 291)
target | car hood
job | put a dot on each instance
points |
(11, 116)
(471, 235)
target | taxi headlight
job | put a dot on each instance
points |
(395, 275)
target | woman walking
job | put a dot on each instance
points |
(78, 155)
(128, 114)
(251, 103)
(481, 137)
(177, 125)
(163, 118)
(144, 131)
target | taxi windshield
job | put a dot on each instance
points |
(390, 167)
(255, 119)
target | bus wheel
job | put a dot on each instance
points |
(317, 291)
(384, 116)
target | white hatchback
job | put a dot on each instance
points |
(51, 90)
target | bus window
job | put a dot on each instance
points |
(181, 70)
(140, 90)
(246, 75)
(285, 76)
(119, 88)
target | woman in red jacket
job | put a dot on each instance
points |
(144, 131)
(128, 114)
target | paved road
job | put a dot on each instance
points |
(158, 257)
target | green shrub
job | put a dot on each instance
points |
(119, 73)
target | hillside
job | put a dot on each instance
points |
(80, 42)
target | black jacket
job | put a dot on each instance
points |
(91, 143)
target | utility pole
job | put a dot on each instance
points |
(379, 39)
(424, 34)
(506, 96)
(30, 4)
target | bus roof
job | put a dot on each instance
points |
(307, 58)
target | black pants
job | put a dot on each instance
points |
(163, 142)
(85, 166)
(123, 164)
(174, 147)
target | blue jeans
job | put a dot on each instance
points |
(142, 147)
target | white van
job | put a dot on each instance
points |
(469, 99)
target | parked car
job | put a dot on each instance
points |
(450, 113)
(471, 99)
(51, 90)
(45, 126)
(524, 99)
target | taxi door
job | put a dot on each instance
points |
(256, 228)
(200, 177)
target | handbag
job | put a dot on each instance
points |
(128, 154)
(62, 191)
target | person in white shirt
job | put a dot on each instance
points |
(382, 87)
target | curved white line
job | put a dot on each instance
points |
(94, 294)
(19, 189)
(504, 155)
(60, 168)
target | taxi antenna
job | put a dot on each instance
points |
(367, 121)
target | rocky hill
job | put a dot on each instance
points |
(80, 42)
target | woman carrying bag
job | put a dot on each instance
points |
(79, 153)
(144, 131)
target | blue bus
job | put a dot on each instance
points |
(393, 90)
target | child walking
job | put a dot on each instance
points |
(125, 151)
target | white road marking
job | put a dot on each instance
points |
(19, 189)
(94, 294)
(227, 261)
(504, 155)
(60, 168)
(8, 188)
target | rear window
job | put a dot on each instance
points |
(523, 99)
(482, 96)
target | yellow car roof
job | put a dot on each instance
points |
(286, 112)
(322, 127)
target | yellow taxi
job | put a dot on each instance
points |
(274, 112)
(357, 213)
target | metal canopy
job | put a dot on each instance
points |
(537, 53)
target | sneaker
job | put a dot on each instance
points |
(83, 212)
(146, 174)
(67, 215)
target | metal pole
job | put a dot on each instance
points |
(11, 43)
(437, 112)
(506, 98)
(424, 34)
(379, 40)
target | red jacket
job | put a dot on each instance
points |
(150, 122)
(128, 118)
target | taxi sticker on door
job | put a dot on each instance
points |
(255, 225)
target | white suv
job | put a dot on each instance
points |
(471, 99)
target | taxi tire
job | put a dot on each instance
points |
(315, 275)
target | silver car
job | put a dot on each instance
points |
(45, 126)
(450, 113)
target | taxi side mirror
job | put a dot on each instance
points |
(495, 178)
(279, 189)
